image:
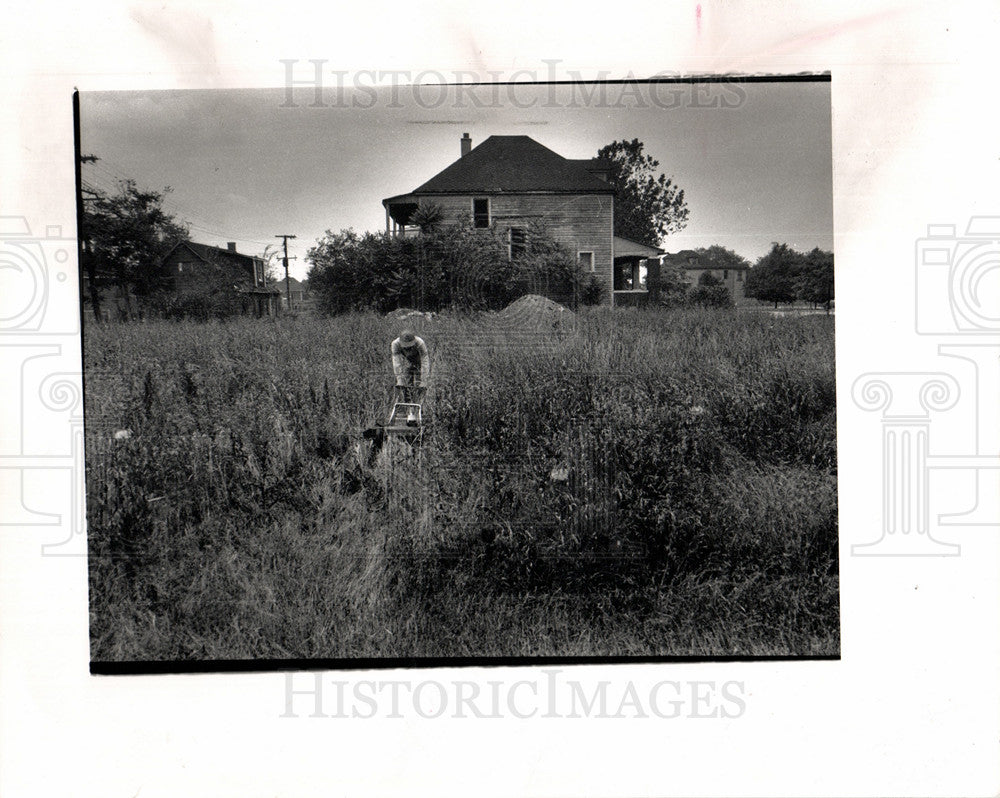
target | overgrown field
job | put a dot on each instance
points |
(632, 483)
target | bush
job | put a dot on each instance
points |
(592, 292)
(456, 266)
(710, 296)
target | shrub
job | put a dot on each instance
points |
(454, 266)
(710, 296)
(592, 292)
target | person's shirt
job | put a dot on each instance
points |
(410, 358)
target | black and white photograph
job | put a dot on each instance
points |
(460, 373)
(533, 400)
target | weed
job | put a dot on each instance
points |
(648, 482)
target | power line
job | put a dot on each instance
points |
(187, 214)
(209, 224)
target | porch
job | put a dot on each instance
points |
(636, 273)
(398, 211)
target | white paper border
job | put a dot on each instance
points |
(912, 708)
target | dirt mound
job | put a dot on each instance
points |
(536, 311)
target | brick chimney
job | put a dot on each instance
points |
(466, 144)
(231, 246)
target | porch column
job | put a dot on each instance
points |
(653, 280)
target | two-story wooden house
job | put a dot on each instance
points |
(229, 277)
(508, 182)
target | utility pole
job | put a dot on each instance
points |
(288, 288)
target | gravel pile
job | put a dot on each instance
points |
(534, 312)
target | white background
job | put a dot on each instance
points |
(912, 708)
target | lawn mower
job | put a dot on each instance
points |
(404, 424)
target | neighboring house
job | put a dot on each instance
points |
(295, 289)
(508, 182)
(694, 267)
(221, 274)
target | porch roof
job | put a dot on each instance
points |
(627, 248)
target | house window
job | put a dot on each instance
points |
(481, 213)
(725, 274)
(518, 242)
(739, 277)
(586, 261)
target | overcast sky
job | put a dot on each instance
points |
(754, 159)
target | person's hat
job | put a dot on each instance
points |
(407, 338)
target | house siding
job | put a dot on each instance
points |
(581, 222)
(225, 267)
(220, 275)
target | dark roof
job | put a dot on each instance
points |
(592, 164)
(686, 256)
(208, 253)
(513, 165)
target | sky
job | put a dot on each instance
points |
(753, 159)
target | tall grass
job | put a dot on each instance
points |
(632, 483)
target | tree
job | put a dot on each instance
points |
(648, 206)
(815, 282)
(453, 266)
(721, 258)
(428, 216)
(127, 234)
(672, 284)
(710, 292)
(775, 276)
(273, 274)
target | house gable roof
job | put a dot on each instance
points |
(209, 254)
(513, 165)
(629, 248)
(689, 259)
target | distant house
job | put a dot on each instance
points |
(220, 275)
(507, 182)
(296, 289)
(694, 266)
